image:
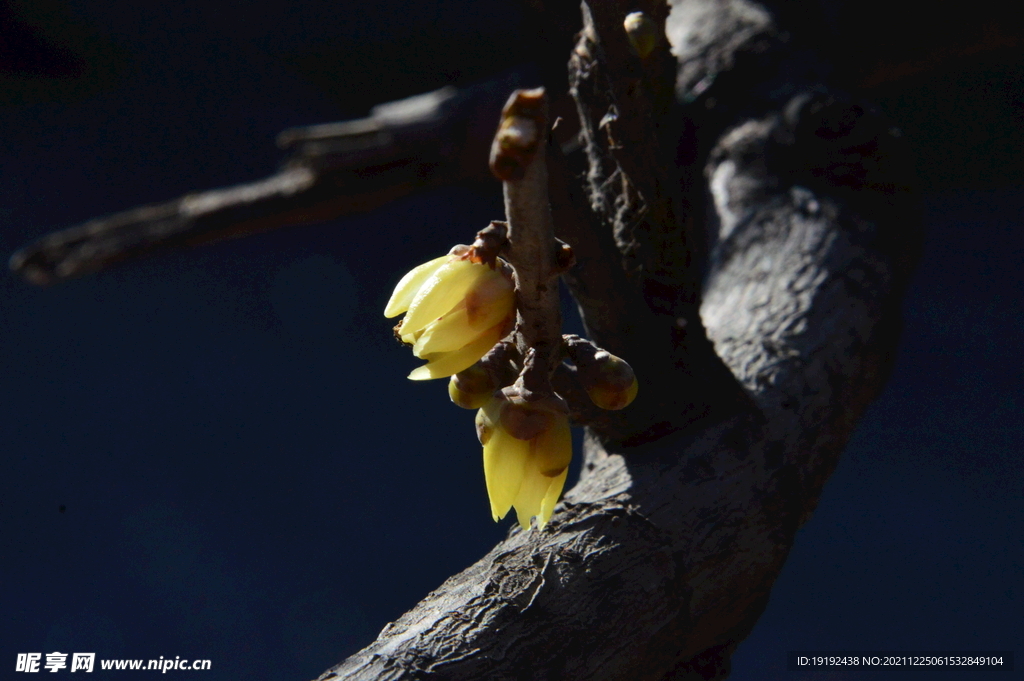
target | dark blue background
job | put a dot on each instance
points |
(246, 474)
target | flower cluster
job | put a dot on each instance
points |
(457, 308)
(455, 311)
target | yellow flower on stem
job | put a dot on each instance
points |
(527, 450)
(455, 311)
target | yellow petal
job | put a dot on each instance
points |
(547, 506)
(486, 304)
(491, 300)
(505, 460)
(410, 285)
(552, 449)
(444, 364)
(531, 494)
(550, 454)
(449, 332)
(441, 292)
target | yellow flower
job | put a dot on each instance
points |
(456, 310)
(527, 450)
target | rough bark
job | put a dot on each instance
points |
(763, 230)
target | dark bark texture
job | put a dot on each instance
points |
(745, 229)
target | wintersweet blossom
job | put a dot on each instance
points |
(455, 311)
(527, 449)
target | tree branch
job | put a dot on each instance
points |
(335, 169)
(660, 560)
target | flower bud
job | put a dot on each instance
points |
(642, 33)
(610, 382)
(523, 128)
(487, 420)
(472, 387)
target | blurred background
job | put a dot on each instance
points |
(215, 453)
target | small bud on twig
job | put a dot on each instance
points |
(522, 129)
(642, 33)
(608, 380)
(565, 259)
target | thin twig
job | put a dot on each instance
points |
(518, 158)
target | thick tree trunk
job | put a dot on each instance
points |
(756, 229)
